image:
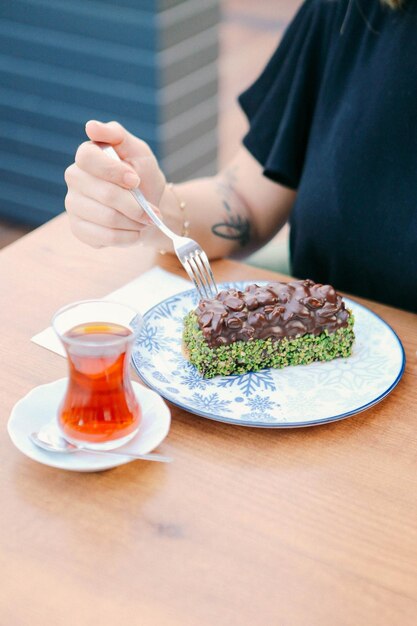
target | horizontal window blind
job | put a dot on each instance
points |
(152, 65)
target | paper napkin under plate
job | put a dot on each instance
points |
(142, 293)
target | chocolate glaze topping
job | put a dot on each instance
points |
(275, 310)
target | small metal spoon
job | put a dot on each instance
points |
(48, 438)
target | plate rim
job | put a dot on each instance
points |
(271, 425)
(123, 460)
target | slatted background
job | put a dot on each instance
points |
(150, 64)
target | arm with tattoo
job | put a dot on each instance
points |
(235, 224)
(230, 214)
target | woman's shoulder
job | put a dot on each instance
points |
(321, 23)
(317, 22)
(322, 15)
(331, 12)
(329, 6)
(339, 8)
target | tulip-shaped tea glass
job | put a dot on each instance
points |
(100, 408)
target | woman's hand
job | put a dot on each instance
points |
(101, 210)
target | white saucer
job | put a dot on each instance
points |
(40, 406)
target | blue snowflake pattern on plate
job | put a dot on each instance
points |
(250, 382)
(160, 377)
(168, 308)
(213, 403)
(152, 339)
(178, 360)
(190, 377)
(262, 408)
(293, 396)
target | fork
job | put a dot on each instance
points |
(190, 254)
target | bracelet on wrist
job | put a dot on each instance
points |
(182, 205)
(185, 230)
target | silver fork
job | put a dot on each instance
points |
(190, 254)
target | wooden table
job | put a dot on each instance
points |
(314, 526)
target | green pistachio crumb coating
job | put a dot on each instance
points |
(256, 354)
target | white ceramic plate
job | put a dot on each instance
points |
(40, 406)
(304, 395)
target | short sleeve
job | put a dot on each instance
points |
(280, 104)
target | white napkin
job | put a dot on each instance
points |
(142, 293)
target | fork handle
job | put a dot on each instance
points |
(138, 195)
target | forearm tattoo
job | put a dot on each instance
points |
(234, 226)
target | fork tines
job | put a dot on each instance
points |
(198, 269)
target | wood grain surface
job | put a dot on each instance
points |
(306, 527)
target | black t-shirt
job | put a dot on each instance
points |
(334, 115)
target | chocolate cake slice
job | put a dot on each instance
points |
(275, 325)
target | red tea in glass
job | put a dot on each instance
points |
(100, 408)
